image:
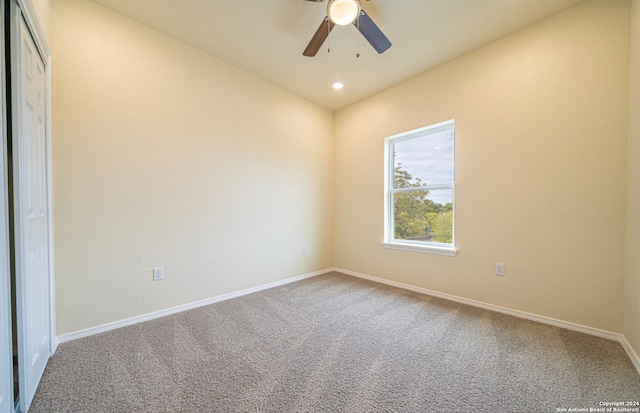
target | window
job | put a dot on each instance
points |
(419, 190)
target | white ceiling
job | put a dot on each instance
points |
(267, 37)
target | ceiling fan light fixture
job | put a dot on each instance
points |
(343, 12)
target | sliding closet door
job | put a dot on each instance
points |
(31, 209)
(6, 350)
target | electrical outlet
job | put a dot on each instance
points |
(499, 269)
(158, 274)
(304, 251)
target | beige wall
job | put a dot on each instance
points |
(164, 156)
(632, 273)
(541, 126)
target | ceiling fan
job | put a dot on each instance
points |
(342, 13)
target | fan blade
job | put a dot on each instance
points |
(321, 35)
(371, 32)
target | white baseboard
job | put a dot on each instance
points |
(631, 352)
(516, 313)
(178, 309)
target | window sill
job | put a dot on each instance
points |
(426, 249)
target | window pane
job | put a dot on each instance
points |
(424, 216)
(425, 160)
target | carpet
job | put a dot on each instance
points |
(335, 343)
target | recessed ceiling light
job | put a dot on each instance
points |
(337, 85)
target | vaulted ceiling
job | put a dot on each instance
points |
(267, 38)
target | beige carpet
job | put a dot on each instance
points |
(335, 343)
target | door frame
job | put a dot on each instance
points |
(6, 334)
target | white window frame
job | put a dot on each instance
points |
(409, 245)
